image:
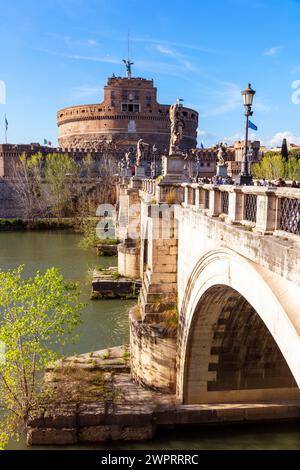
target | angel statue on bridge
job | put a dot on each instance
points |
(177, 126)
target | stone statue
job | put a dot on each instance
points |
(177, 126)
(140, 151)
(128, 65)
(128, 159)
(222, 152)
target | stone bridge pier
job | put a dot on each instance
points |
(218, 318)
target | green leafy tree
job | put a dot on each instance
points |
(62, 176)
(37, 315)
(292, 168)
(271, 167)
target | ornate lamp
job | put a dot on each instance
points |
(244, 178)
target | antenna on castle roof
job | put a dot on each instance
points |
(128, 45)
(128, 62)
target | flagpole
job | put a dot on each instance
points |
(5, 129)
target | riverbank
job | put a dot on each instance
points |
(94, 399)
(67, 223)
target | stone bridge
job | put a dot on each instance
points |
(218, 319)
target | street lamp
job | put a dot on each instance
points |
(153, 162)
(244, 178)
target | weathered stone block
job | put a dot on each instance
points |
(94, 434)
(91, 414)
(61, 417)
(48, 436)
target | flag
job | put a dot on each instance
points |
(45, 142)
(6, 123)
(49, 143)
(202, 146)
(252, 126)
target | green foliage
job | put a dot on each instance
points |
(38, 314)
(90, 238)
(88, 227)
(11, 224)
(61, 174)
(106, 355)
(273, 166)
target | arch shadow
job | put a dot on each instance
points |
(238, 334)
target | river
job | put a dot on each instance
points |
(105, 323)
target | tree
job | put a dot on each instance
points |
(284, 150)
(271, 167)
(38, 314)
(292, 168)
(28, 185)
(62, 176)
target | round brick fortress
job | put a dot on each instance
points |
(129, 112)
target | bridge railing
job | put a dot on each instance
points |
(266, 210)
(149, 186)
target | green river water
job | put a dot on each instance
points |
(105, 324)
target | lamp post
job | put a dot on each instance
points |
(153, 162)
(245, 178)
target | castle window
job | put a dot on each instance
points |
(131, 107)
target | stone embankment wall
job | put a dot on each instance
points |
(9, 206)
(153, 353)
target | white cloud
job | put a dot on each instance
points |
(165, 50)
(277, 139)
(92, 42)
(229, 98)
(71, 43)
(272, 52)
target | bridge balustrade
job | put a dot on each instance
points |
(289, 215)
(250, 207)
(266, 210)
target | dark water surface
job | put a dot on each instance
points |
(105, 324)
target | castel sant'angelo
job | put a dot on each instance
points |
(128, 113)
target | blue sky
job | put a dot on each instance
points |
(57, 53)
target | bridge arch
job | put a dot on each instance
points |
(232, 307)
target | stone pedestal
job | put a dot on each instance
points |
(128, 172)
(222, 171)
(136, 180)
(175, 169)
(140, 172)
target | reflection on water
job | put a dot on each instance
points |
(105, 323)
(285, 436)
